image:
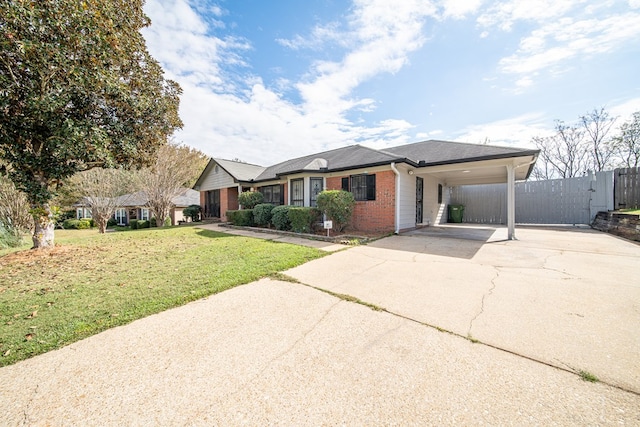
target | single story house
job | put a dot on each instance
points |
(396, 189)
(134, 206)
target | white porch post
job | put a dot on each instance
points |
(511, 202)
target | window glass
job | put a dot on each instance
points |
(297, 192)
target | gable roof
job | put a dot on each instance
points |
(239, 171)
(418, 154)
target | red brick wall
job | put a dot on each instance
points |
(228, 201)
(373, 215)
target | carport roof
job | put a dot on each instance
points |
(434, 152)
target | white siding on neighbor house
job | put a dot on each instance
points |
(216, 179)
(407, 198)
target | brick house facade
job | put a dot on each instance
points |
(396, 189)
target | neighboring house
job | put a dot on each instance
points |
(134, 206)
(396, 189)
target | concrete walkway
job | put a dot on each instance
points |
(279, 353)
(273, 236)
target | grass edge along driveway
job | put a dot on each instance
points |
(91, 282)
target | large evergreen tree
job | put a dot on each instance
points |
(78, 90)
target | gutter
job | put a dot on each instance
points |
(397, 219)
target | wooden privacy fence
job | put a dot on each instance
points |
(626, 188)
(555, 201)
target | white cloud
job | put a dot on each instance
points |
(516, 131)
(458, 9)
(506, 13)
(563, 31)
(226, 116)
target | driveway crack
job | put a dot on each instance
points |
(484, 296)
(283, 353)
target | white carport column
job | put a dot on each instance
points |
(511, 202)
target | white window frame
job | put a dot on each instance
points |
(144, 214)
(120, 216)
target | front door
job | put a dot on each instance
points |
(212, 208)
(419, 197)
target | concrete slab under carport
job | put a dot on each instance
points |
(567, 298)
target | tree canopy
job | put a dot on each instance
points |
(78, 89)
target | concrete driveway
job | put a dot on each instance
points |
(569, 298)
(282, 353)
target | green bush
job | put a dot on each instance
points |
(9, 237)
(249, 199)
(338, 206)
(133, 224)
(153, 222)
(302, 219)
(262, 214)
(142, 223)
(280, 217)
(192, 211)
(76, 224)
(243, 218)
(112, 222)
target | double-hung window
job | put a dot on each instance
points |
(362, 186)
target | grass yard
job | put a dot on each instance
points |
(93, 282)
(631, 211)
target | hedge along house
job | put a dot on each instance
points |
(396, 189)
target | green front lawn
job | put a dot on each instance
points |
(93, 282)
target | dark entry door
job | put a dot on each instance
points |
(419, 197)
(213, 203)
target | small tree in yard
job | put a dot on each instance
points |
(166, 179)
(102, 191)
(249, 199)
(78, 90)
(193, 212)
(338, 206)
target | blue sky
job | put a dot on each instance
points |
(265, 81)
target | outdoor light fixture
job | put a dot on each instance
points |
(410, 172)
(466, 171)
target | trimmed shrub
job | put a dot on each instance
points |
(280, 218)
(76, 224)
(262, 214)
(249, 199)
(112, 222)
(192, 211)
(133, 224)
(302, 219)
(143, 224)
(242, 218)
(153, 222)
(338, 206)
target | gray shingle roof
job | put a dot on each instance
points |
(442, 152)
(239, 170)
(430, 152)
(335, 160)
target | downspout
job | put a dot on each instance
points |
(397, 219)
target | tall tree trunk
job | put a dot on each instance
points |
(43, 233)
